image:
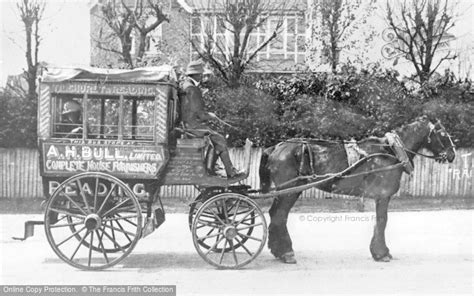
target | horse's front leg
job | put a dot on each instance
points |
(378, 248)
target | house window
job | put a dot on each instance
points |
(288, 45)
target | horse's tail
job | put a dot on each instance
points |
(264, 171)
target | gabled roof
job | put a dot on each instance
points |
(197, 6)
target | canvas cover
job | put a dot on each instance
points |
(163, 73)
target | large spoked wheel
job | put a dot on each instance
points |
(192, 214)
(93, 221)
(220, 230)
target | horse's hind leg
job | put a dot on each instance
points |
(279, 240)
(378, 248)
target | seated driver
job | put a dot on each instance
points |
(195, 118)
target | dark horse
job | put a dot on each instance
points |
(285, 163)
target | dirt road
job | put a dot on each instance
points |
(433, 254)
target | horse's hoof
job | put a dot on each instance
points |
(385, 258)
(288, 258)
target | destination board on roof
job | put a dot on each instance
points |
(105, 89)
(142, 162)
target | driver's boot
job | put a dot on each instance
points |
(230, 170)
(211, 162)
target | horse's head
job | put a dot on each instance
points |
(439, 142)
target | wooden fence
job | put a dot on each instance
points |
(19, 176)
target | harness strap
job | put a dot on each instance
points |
(353, 152)
(398, 148)
(306, 150)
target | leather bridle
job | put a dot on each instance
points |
(443, 156)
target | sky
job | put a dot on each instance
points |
(65, 33)
(66, 26)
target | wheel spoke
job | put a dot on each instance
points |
(63, 217)
(107, 198)
(208, 236)
(224, 209)
(101, 246)
(214, 246)
(130, 222)
(247, 223)
(207, 216)
(67, 213)
(122, 210)
(242, 244)
(120, 218)
(233, 252)
(113, 240)
(207, 223)
(71, 200)
(123, 230)
(64, 225)
(95, 193)
(223, 252)
(118, 229)
(249, 226)
(216, 216)
(243, 219)
(235, 212)
(81, 192)
(248, 236)
(90, 249)
(71, 236)
(79, 245)
(117, 206)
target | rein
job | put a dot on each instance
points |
(276, 191)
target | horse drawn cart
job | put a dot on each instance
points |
(102, 170)
(109, 140)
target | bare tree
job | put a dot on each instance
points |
(230, 57)
(420, 27)
(123, 21)
(31, 14)
(338, 19)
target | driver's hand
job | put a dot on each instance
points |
(76, 130)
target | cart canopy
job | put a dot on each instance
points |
(163, 73)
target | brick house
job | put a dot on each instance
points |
(188, 19)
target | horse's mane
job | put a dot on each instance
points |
(423, 119)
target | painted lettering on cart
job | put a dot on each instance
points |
(102, 189)
(110, 159)
(94, 88)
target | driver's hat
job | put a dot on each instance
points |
(195, 67)
(70, 107)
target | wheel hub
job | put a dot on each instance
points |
(230, 232)
(92, 222)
